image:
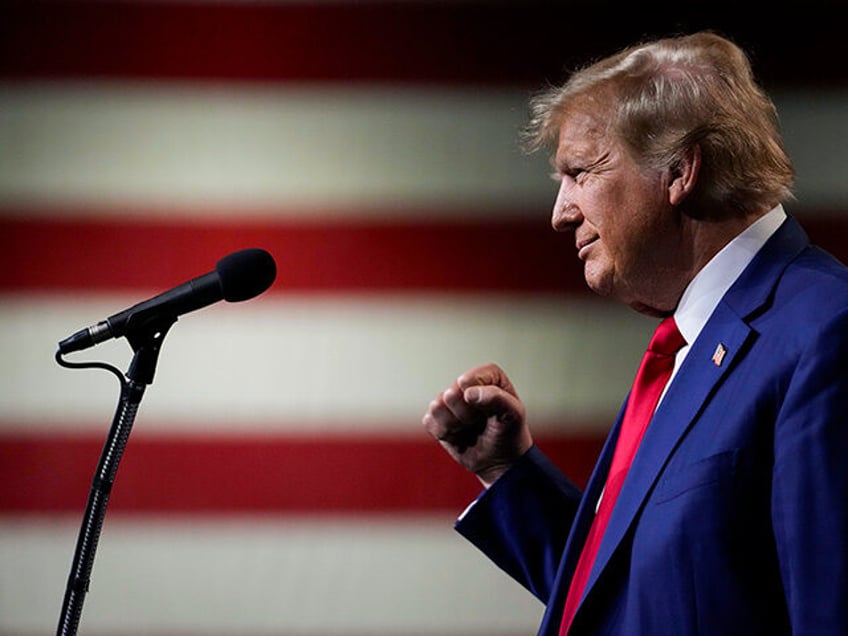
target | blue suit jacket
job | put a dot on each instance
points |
(733, 519)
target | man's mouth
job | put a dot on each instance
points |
(583, 246)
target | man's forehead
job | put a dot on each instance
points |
(580, 134)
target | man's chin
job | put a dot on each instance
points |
(597, 282)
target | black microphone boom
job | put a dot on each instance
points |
(238, 276)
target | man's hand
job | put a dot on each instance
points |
(480, 421)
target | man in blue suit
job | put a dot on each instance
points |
(733, 516)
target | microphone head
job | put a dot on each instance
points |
(245, 274)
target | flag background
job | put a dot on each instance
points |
(277, 480)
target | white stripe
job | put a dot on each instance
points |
(336, 148)
(335, 362)
(815, 132)
(328, 150)
(262, 576)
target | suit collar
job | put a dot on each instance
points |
(751, 292)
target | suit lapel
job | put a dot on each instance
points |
(721, 342)
(695, 381)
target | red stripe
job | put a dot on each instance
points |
(200, 475)
(47, 254)
(527, 42)
(355, 256)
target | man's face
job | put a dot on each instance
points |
(625, 229)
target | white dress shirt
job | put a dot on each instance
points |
(703, 294)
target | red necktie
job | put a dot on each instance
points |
(654, 372)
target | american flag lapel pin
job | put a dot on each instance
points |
(718, 356)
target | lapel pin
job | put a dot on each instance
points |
(718, 356)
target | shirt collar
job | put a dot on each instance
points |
(704, 292)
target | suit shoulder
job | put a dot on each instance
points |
(815, 281)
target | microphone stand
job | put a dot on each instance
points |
(146, 342)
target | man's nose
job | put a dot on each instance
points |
(566, 214)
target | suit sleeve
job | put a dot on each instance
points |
(522, 521)
(810, 486)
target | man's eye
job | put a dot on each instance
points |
(574, 174)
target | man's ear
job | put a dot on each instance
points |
(684, 175)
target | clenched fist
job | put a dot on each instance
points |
(480, 421)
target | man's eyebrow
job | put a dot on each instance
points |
(559, 163)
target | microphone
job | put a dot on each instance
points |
(238, 276)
